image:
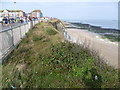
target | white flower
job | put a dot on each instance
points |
(13, 87)
(96, 77)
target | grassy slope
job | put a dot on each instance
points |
(44, 59)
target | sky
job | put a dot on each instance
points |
(68, 9)
(62, 0)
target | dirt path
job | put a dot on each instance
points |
(105, 48)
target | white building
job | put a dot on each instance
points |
(36, 13)
(12, 13)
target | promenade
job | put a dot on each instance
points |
(3, 27)
(105, 48)
(11, 37)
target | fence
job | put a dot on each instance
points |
(11, 37)
(70, 38)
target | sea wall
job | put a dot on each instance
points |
(11, 37)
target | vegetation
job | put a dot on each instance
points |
(45, 60)
(113, 38)
(51, 31)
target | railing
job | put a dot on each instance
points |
(11, 37)
(70, 38)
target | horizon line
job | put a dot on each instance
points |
(60, 1)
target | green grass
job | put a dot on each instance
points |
(113, 38)
(52, 62)
(50, 31)
(37, 38)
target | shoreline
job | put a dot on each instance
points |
(104, 24)
(88, 26)
(105, 33)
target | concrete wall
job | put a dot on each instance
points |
(11, 37)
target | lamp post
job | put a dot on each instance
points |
(15, 7)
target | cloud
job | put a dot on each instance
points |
(60, 0)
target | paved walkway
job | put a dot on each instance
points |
(3, 27)
(106, 49)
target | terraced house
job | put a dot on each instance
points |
(12, 13)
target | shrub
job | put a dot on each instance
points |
(24, 49)
(50, 31)
(37, 38)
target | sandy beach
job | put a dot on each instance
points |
(105, 48)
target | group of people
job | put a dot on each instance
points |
(7, 20)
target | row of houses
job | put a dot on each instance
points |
(20, 13)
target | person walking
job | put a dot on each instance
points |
(8, 20)
(5, 21)
(1, 21)
(21, 19)
(30, 18)
(24, 20)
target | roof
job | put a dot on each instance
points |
(12, 10)
(36, 11)
(1, 10)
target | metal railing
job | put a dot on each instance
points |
(10, 38)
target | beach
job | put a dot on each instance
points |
(104, 47)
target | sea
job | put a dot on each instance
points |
(112, 24)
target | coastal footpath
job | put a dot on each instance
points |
(106, 49)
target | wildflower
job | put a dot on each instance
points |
(36, 72)
(96, 77)
(13, 87)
